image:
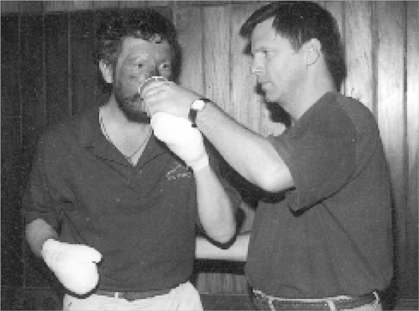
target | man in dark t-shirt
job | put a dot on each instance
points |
(321, 238)
(111, 209)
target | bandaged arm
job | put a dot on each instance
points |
(215, 208)
(73, 264)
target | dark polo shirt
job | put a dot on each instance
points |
(331, 235)
(142, 219)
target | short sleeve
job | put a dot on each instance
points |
(38, 199)
(320, 152)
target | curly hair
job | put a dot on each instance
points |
(146, 24)
(300, 21)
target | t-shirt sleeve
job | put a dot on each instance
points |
(320, 154)
(38, 199)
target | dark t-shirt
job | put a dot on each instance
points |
(142, 219)
(331, 234)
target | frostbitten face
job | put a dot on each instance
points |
(139, 60)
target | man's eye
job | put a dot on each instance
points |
(165, 66)
(140, 65)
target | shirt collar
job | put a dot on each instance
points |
(91, 137)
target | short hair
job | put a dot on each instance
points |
(146, 24)
(300, 21)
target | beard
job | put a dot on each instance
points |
(131, 106)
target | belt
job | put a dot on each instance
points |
(274, 303)
(131, 296)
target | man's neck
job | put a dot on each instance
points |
(309, 96)
(115, 117)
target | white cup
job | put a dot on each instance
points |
(148, 81)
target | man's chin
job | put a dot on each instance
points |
(140, 117)
(134, 112)
(133, 115)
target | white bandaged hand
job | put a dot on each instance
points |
(73, 264)
(180, 137)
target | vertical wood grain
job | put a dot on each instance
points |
(11, 154)
(189, 26)
(10, 62)
(81, 5)
(99, 5)
(10, 7)
(32, 79)
(57, 6)
(31, 6)
(57, 67)
(216, 60)
(83, 68)
(412, 106)
(391, 111)
(358, 43)
(246, 102)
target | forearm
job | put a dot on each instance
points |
(215, 208)
(37, 232)
(236, 252)
(248, 153)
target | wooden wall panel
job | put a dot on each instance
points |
(83, 69)
(188, 23)
(32, 79)
(359, 56)
(30, 6)
(10, 60)
(412, 114)
(216, 58)
(247, 103)
(57, 67)
(391, 110)
(11, 154)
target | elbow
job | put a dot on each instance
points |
(225, 241)
(274, 180)
(269, 183)
(225, 237)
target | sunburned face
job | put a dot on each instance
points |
(139, 60)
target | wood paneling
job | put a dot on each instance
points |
(57, 67)
(53, 76)
(359, 56)
(188, 22)
(83, 69)
(216, 58)
(11, 153)
(412, 123)
(391, 111)
(10, 61)
(32, 80)
(246, 103)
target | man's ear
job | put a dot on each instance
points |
(312, 51)
(106, 70)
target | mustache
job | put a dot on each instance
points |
(134, 98)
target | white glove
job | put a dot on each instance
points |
(73, 264)
(183, 139)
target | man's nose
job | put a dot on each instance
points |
(257, 67)
(152, 71)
